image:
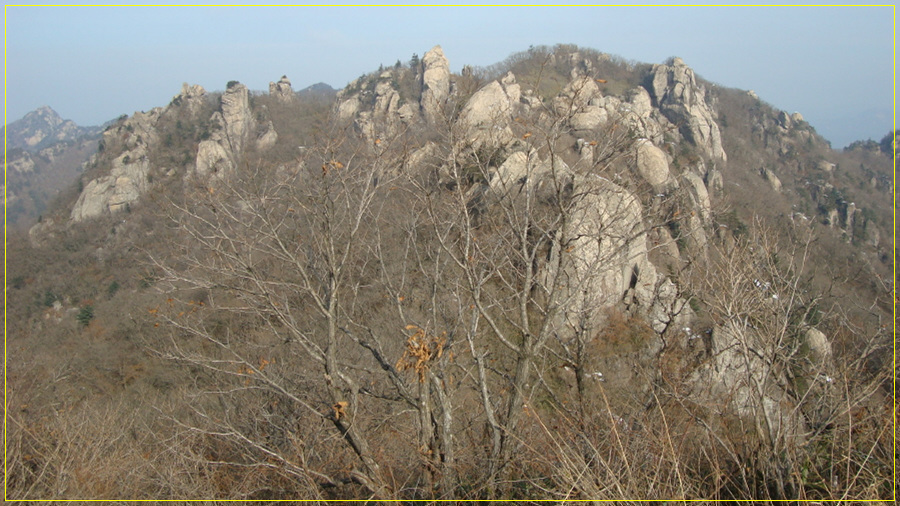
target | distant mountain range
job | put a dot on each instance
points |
(44, 155)
(42, 127)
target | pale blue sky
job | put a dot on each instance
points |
(835, 65)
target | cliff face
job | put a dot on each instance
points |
(231, 127)
(127, 147)
(138, 148)
(683, 100)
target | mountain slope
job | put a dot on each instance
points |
(518, 282)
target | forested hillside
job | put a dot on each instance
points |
(564, 276)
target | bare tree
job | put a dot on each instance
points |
(768, 363)
(282, 249)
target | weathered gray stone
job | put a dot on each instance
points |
(693, 232)
(585, 150)
(191, 98)
(387, 100)
(589, 118)
(489, 111)
(520, 169)
(267, 137)
(349, 108)
(406, 113)
(606, 255)
(233, 126)
(819, 346)
(282, 90)
(714, 181)
(128, 177)
(652, 164)
(850, 217)
(833, 218)
(436, 82)
(577, 94)
(784, 120)
(699, 195)
(125, 183)
(683, 101)
(641, 103)
(511, 88)
(213, 155)
(737, 378)
(826, 166)
(771, 178)
(237, 118)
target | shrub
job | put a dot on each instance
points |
(49, 298)
(112, 288)
(85, 316)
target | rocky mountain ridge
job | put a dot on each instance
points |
(651, 228)
(671, 113)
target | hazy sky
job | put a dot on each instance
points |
(835, 65)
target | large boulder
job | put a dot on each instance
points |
(826, 166)
(641, 103)
(589, 118)
(213, 157)
(819, 347)
(740, 381)
(489, 111)
(771, 178)
(435, 82)
(266, 136)
(652, 164)
(349, 108)
(282, 90)
(715, 182)
(576, 96)
(520, 169)
(489, 106)
(606, 254)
